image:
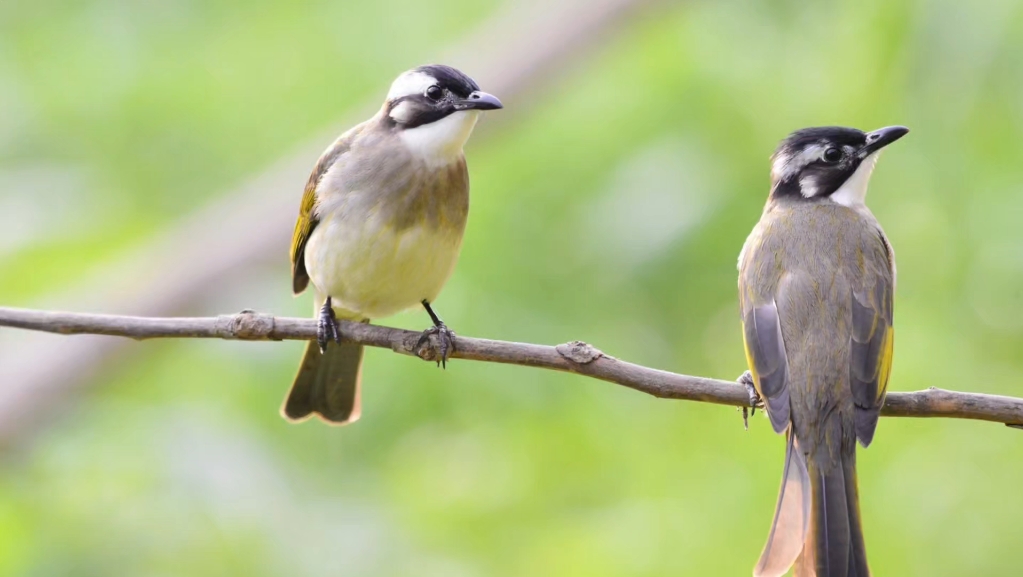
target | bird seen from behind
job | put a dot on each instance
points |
(816, 283)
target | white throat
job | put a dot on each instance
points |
(440, 143)
(854, 190)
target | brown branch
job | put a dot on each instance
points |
(576, 357)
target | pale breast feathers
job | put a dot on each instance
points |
(389, 227)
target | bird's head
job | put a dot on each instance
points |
(829, 162)
(435, 108)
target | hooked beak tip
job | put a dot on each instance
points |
(480, 100)
(882, 137)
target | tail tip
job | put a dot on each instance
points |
(296, 418)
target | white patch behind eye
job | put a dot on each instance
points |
(403, 112)
(409, 83)
(785, 165)
(440, 143)
(854, 190)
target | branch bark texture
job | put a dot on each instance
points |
(574, 357)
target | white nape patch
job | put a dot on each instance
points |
(786, 165)
(440, 143)
(854, 190)
(808, 186)
(409, 83)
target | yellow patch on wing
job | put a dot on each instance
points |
(885, 364)
(303, 228)
(304, 225)
(752, 366)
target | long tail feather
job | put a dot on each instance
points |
(834, 544)
(791, 517)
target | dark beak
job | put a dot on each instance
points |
(479, 100)
(882, 137)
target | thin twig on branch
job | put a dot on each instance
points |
(576, 357)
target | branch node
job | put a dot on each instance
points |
(247, 325)
(409, 344)
(579, 352)
(435, 344)
(427, 352)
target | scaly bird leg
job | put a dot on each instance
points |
(746, 380)
(326, 327)
(445, 337)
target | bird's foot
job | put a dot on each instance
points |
(755, 402)
(445, 343)
(326, 327)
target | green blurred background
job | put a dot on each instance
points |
(610, 200)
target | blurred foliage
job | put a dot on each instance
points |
(609, 205)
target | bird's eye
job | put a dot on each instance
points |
(434, 92)
(832, 155)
